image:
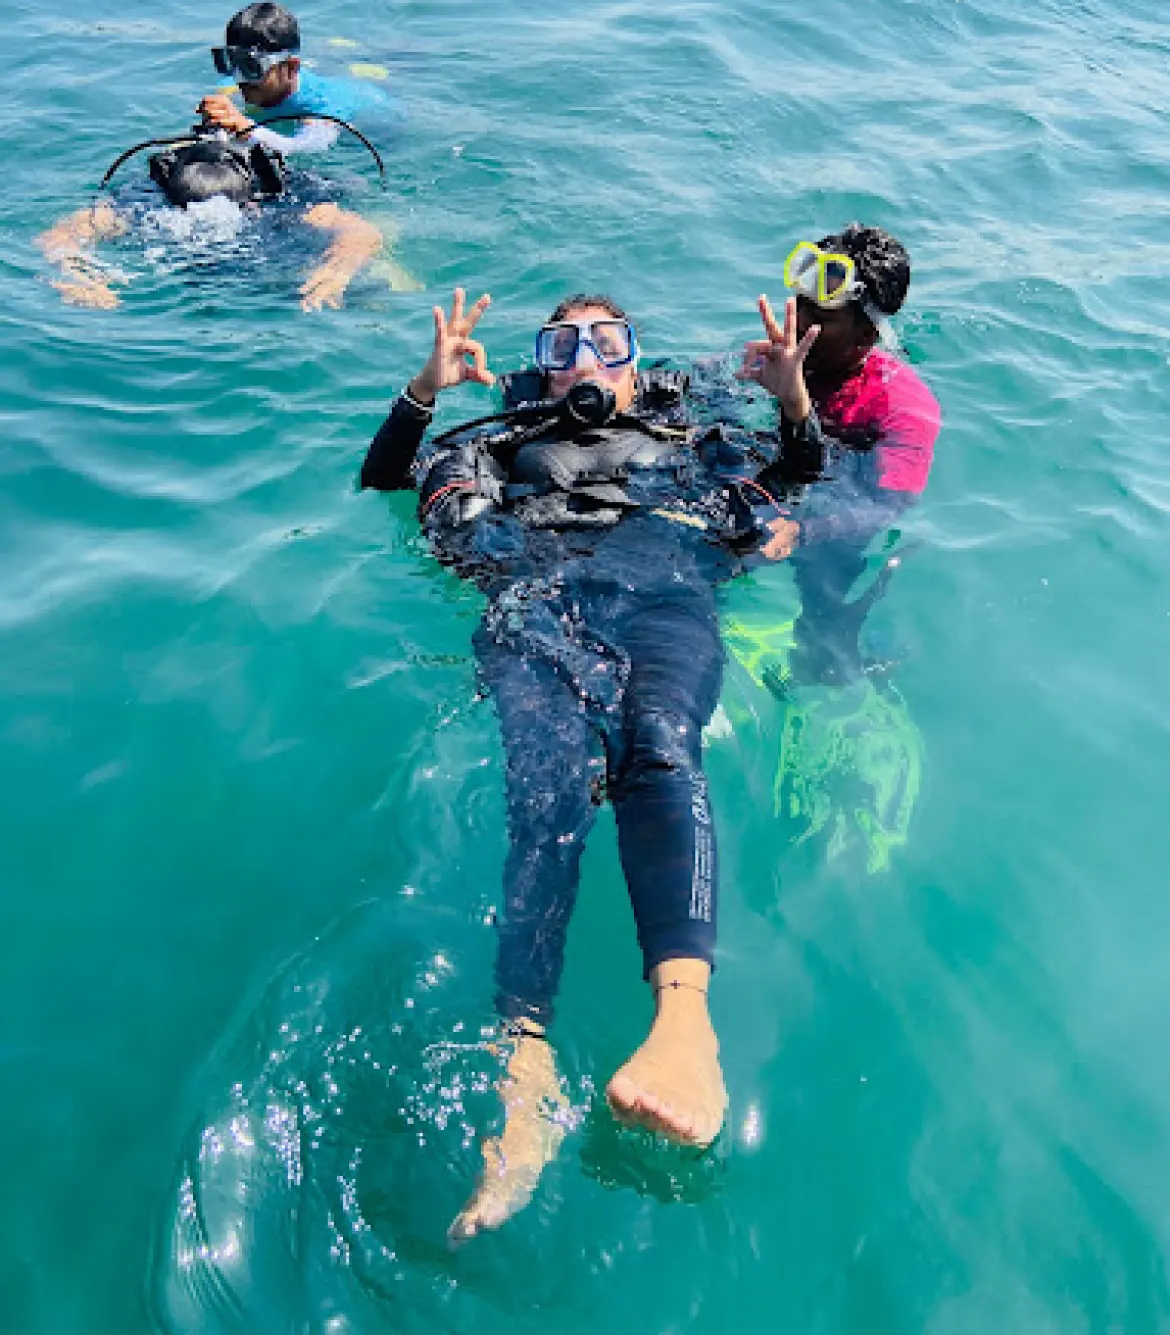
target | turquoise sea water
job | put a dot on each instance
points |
(251, 808)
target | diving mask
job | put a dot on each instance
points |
(829, 279)
(612, 342)
(245, 64)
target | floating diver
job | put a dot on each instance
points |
(205, 172)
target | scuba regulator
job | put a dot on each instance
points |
(588, 403)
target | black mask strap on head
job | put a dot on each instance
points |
(161, 167)
(267, 171)
(255, 171)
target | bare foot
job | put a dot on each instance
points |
(673, 1084)
(512, 1163)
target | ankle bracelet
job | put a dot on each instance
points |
(518, 1029)
(674, 986)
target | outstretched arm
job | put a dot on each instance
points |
(311, 136)
(456, 358)
(355, 243)
(69, 245)
(852, 509)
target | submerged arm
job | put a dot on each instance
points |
(830, 505)
(876, 485)
(855, 517)
(84, 281)
(355, 243)
(392, 452)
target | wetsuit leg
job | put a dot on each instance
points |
(828, 630)
(657, 785)
(552, 757)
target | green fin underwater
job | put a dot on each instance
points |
(850, 758)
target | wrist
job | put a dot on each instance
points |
(425, 411)
(422, 391)
(796, 408)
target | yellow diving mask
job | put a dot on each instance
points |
(824, 276)
(830, 279)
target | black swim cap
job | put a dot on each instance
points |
(198, 172)
(883, 265)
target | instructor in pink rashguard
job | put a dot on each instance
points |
(857, 429)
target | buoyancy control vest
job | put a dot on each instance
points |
(553, 472)
(593, 465)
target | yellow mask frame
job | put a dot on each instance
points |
(824, 276)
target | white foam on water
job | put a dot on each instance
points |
(212, 222)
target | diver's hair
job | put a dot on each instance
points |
(198, 173)
(579, 299)
(883, 264)
(264, 27)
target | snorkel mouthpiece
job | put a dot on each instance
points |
(590, 404)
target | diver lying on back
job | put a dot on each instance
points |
(210, 165)
(599, 521)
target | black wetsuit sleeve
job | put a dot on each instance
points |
(390, 459)
(801, 454)
(855, 516)
(845, 510)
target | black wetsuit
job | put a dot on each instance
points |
(600, 646)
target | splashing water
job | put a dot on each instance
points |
(336, 1138)
(201, 229)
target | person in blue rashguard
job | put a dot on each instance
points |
(261, 52)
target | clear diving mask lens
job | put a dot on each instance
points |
(830, 280)
(244, 64)
(612, 342)
(823, 276)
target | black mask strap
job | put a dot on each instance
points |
(266, 171)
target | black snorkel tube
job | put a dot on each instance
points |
(205, 131)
